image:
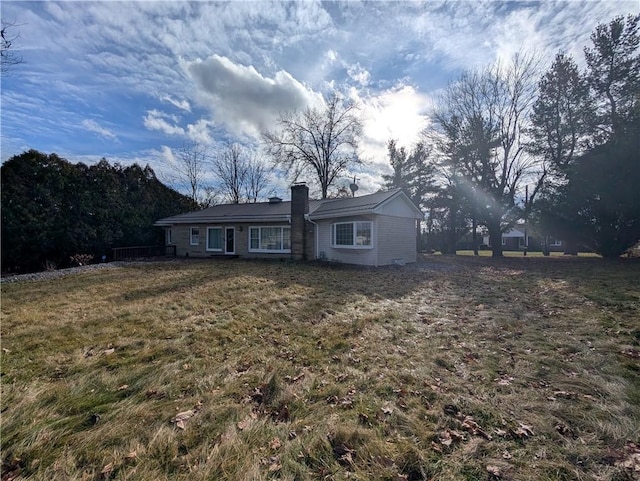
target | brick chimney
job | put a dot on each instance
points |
(299, 207)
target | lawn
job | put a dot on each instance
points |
(458, 368)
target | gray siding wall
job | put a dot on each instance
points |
(350, 256)
(396, 239)
(393, 238)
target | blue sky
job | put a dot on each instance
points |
(134, 81)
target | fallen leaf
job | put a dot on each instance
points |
(387, 410)
(106, 352)
(564, 394)
(275, 443)
(180, 418)
(474, 428)
(123, 387)
(523, 431)
(107, 470)
(494, 470)
(242, 425)
(275, 467)
(506, 454)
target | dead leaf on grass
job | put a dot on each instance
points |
(474, 428)
(180, 418)
(123, 387)
(275, 443)
(106, 352)
(523, 430)
(494, 470)
(107, 470)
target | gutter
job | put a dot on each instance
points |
(317, 229)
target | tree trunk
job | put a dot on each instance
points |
(451, 234)
(495, 237)
(475, 237)
(570, 247)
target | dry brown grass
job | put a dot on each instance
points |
(455, 369)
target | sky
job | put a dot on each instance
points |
(135, 81)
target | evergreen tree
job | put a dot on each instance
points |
(53, 209)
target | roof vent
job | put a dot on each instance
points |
(274, 200)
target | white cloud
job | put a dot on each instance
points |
(156, 120)
(244, 100)
(93, 126)
(181, 104)
(359, 74)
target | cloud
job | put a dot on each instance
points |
(358, 74)
(93, 126)
(181, 104)
(244, 100)
(397, 113)
(156, 120)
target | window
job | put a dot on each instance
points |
(351, 234)
(214, 238)
(504, 241)
(168, 236)
(195, 236)
(555, 242)
(270, 239)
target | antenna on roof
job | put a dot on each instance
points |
(353, 186)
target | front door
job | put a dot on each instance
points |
(230, 241)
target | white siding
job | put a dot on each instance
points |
(349, 256)
(398, 207)
(396, 239)
(393, 238)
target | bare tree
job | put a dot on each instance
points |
(190, 167)
(322, 141)
(256, 180)
(231, 169)
(242, 176)
(481, 119)
(8, 55)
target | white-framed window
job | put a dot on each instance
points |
(270, 239)
(355, 235)
(194, 236)
(214, 239)
(168, 238)
(504, 241)
(554, 242)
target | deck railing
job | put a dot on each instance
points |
(127, 253)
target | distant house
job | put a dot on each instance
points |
(374, 230)
(514, 240)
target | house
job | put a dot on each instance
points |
(374, 230)
(514, 240)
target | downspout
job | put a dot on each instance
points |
(308, 218)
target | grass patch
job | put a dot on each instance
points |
(456, 368)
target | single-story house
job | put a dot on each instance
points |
(514, 240)
(374, 230)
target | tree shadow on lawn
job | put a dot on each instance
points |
(339, 282)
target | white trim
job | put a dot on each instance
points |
(191, 243)
(269, 251)
(168, 236)
(222, 239)
(354, 223)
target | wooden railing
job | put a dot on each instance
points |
(127, 253)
